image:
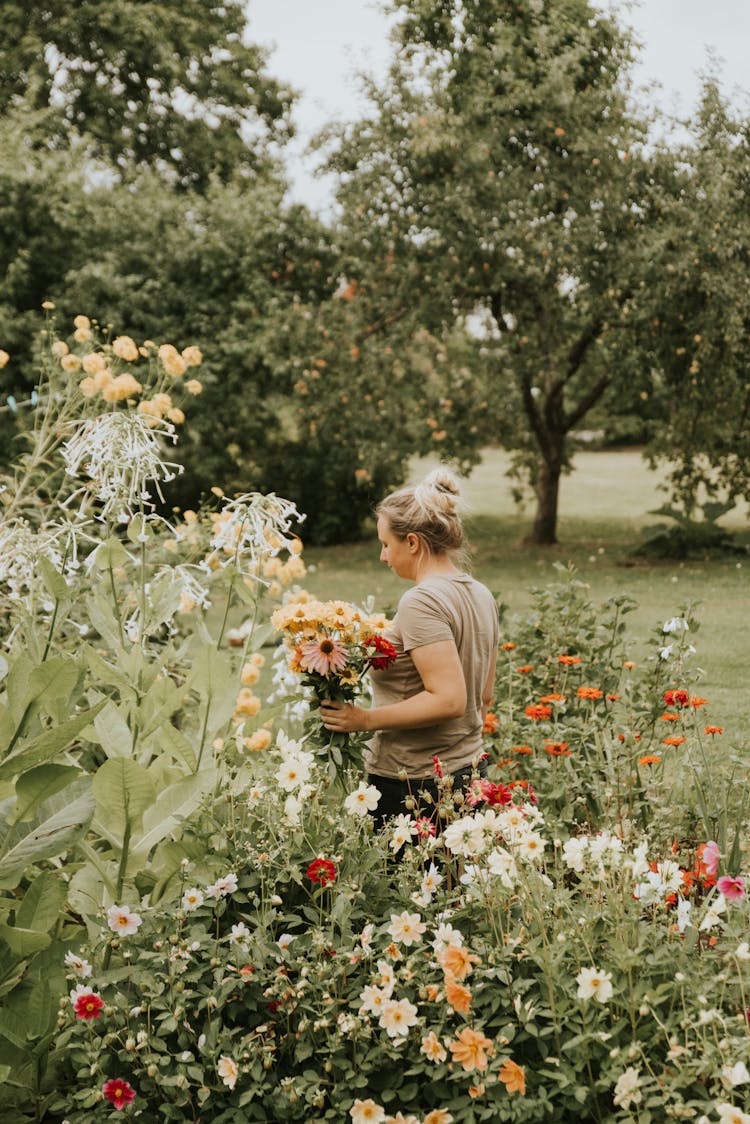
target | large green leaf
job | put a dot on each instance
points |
(54, 582)
(173, 806)
(115, 736)
(50, 836)
(24, 942)
(123, 791)
(37, 785)
(43, 747)
(174, 743)
(52, 680)
(42, 903)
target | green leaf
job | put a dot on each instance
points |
(171, 741)
(42, 903)
(115, 736)
(123, 791)
(54, 582)
(47, 745)
(53, 835)
(24, 942)
(38, 784)
(172, 806)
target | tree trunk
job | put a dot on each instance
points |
(547, 488)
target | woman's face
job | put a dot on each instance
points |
(400, 555)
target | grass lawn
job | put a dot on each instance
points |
(604, 504)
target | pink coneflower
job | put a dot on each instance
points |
(323, 655)
(733, 889)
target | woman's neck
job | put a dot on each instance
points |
(436, 565)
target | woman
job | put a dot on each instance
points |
(433, 700)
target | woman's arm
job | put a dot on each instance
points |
(489, 686)
(443, 696)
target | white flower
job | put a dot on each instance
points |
(365, 938)
(712, 916)
(294, 771)
(446, 935)
(736, 1074)
(77, 965)
(731, 1115)
(531, 846)
(676, 624)
(502, 864)
(228, 1071)
(367, 1112)
(121, 454)
(406, 927)
(252, 527)
(594, 984)
(465, 836)
(666, 652)
(574, 853)
(627, 1089)
(122, 921)
(742, 952)
(683, 914)
(397, 1016)
(670, 874)
(192, 899)
(223, 886)
(240, 935)
(386, 977)
(373, 999)
(293, 810)
(77, 992)
(284, 941)
(403, 827)
(431, 880)
(364, 799)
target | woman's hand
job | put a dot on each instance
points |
(343, 718)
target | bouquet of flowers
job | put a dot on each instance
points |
(332, 645)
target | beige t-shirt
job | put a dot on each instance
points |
(445, 607)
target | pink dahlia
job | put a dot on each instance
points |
(324, 655)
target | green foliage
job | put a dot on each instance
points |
(171, 85)
(687, 537)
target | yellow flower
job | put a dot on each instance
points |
(102, 378)
(150, 409)
(79, 321)
(82, 335)
(87, 387)
(172, 361)
(125, 348)
(48, 306)
(513, 1077)
(258, 741)
(192, 356)
(93, 363)
(70, 364)
(176, 415)
(120, 388)
(249, 675)
(433, 1048)
(4, 358)
(194, 386)
(247, 704)
(60, 348)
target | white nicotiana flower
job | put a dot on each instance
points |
(712, 916)
(250, 528)
(121, 454)
(364, 799)
(676, 624)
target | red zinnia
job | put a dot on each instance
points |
(322, 871)
(89, 1005)
(526, 667)
(714, 729)
(119, 1093)
(678, 697)
(508, 646)
(537, 711)
(386, 652)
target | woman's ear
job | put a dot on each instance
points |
(413, 541)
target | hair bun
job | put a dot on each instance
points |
(444, 481)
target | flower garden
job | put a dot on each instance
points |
(198, 921)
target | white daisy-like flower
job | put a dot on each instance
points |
(239, 935)
(397, 1017)
(285, 941)
(402, 829)
(385, 976)
(373, 999)
(406, 928)
(628, 1088)
(228, 1071)
(730, 1114)
(78, 965)
(223, 886)
(122, 920)
(465, 836)
(594, 984)
(575, 851)
(294, 771)
(502, 864)
(446, 935)
(192, 899)
(431, 880)
(364, 799)
(712, 916)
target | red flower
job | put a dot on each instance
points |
(437, 768)
(554, 697)
(557, 749)
(322, 871)
(568, 661)
(672, 741)
(714, 729)
(119, 1093)
(425, 827)
(526, 667)
(589, 693)
(89, 1005)
(508, 646)
(484, 791)
(537, 711)
(522, 750)
(676, 697)
(386, 652)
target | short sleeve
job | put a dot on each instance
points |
(422, 619)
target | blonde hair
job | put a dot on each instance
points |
(429, 509)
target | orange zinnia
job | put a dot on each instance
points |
(714, 729)
(471, 1049)
(513, 1077)
(670, 718)
(568, 661)
(695, 702)
(508, 646)
(457, 996)
(537, 711)
(649, 759)
(491, 723)
(673, 741)
(526, 667)
(557, 749)
(554, 697)
(524, 750)
(589, 693)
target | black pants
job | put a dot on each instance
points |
(394, 794)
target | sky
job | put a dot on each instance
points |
(319, 47)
